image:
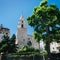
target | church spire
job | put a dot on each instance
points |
(21, 22)
(21, 17)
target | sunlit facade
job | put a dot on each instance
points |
(22, 38)
(3, 31)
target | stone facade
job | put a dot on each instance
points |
(3, 31)
(55, 47)
(22, 38)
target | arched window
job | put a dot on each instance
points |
(29, 43)
(23, 39)
(22, 21)
(53, 47)
(22, 26)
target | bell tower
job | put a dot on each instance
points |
(21, 34)
(21, 22)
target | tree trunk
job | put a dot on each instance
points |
(48, 40)
(43, 57)
(39, 46)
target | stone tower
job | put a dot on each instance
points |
(21, 34)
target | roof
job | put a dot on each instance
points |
(21, 17)
(1, 27)
(6, 28)
(30, 35)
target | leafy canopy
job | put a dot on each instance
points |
(46, 22)
(7, 44)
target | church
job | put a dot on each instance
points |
(22, 38)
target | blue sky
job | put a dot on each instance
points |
(11, 10)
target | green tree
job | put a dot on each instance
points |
(4, 44)
(7, 44)
(46, 23)
(27, 49)
(12, 44)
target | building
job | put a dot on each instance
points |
(22, 38)
(55, 47)
(3, 31)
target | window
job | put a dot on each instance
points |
(23, 39)
(53, 47)
(28, 38)
(29, 43)
(22, 21)
(59, 50)
(22, 25)
(6, 33)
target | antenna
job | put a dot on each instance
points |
(22, 14)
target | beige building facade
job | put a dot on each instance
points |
(54, 47)
(22, 38)
(4, 31)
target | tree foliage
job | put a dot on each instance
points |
(46, 22)
(7, 45)
(4, 44)
(27, 49)
(12, 44)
